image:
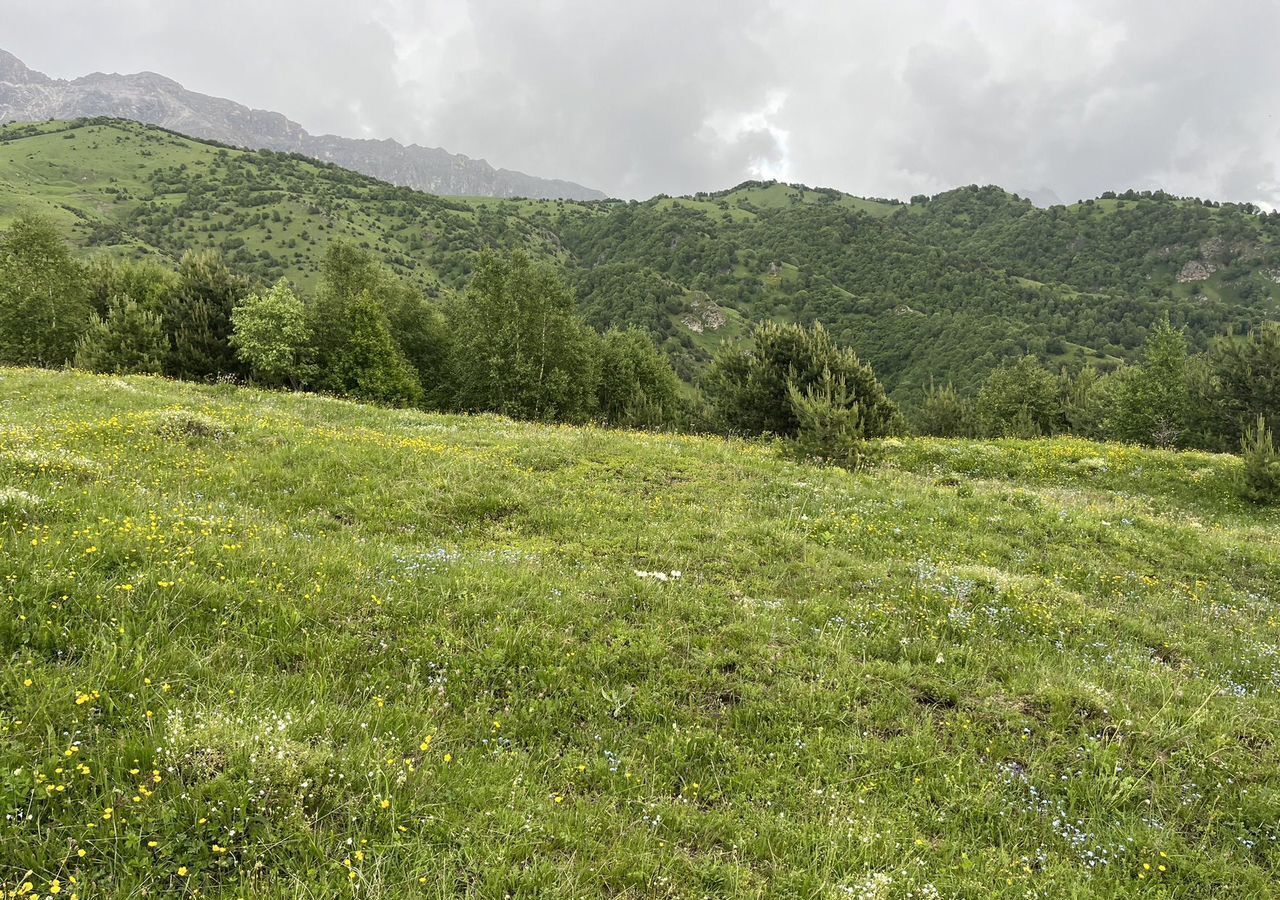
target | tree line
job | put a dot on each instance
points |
(514, 343)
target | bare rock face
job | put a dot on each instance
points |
(703, 315)
(28, 96)
(1196, 270)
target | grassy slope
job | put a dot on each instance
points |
(1005, 669)
(100, 176)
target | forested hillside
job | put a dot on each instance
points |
(945, 288)
(937, 290)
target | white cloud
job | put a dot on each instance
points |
(1072, 96)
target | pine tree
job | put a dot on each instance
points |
(1261, 464)
(944, 413)
(129, 340)
(198, 318)
(750, 386)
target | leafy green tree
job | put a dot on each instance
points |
(1019, 399)
(44, 304)
(1153, 399)
(354, 288)
(365, 361)
(638, 388)
(198, 318)
(750, 387)
(519, 347)
(272, 337)
(945, 413)
(130, 339)
(423, 337)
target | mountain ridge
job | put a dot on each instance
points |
(155, 99)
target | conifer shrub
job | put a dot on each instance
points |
(1261, 465)
(833, 428)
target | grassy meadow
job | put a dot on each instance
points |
(264, 645)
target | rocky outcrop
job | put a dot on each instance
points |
(703, 315)
(1196, 270)
(29, 96)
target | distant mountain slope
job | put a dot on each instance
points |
(30, 96)
(139, 190)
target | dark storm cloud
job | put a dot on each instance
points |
(1069, 97)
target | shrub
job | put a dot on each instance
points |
(1261, 465)
(1019, 399)
(637, 388)
(945, 413)
(17, 504)
(130, 340)
(182, 424)
(750, 387)
(833, 428)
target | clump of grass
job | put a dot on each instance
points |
(184, 424)
(17, 504)
(54, 461)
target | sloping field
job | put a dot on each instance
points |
(261, 645)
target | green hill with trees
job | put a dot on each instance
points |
(1139, 317)
(947, 569)
(938, 290)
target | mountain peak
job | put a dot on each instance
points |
(15, 71)
(154, 99)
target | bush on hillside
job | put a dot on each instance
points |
(1261, 465)
(832, 429)
(129, 340)
(1020, 399)
(751, 387)
(946, 414)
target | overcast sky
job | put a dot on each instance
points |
(888, 98)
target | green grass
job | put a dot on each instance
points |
(233, 619)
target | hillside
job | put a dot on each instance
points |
(939, 289)
(139, 190)
(273, 645)
(29, 96)
(944, 288)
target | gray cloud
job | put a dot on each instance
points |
(1069, 96)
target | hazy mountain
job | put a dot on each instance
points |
(30, 96)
